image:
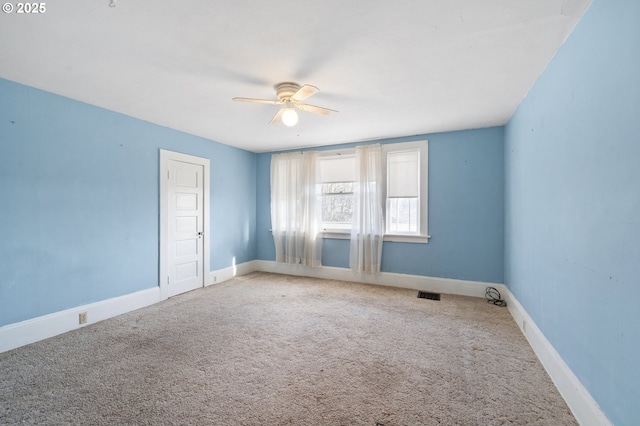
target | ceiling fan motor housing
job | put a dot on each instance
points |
(286, 90)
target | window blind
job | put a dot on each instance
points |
(337, 169)
(403, 174)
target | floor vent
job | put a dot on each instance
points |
(428, 295)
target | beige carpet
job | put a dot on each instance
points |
(268, 349)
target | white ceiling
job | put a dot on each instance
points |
(392, 68)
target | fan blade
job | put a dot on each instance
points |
(257, 101)
(304, 92)
(278, 117)
(316, 109)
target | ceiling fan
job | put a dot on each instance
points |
(291, 95)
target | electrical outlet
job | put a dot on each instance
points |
(524, 326)
(215, 279)
(82, 318)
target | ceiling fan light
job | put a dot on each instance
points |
(289, 117)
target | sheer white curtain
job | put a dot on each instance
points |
(295, 208)
(368, 222)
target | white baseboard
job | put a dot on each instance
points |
(35, 329)
(584, 408)
(32, 330)
(390, 279)
(222, 275)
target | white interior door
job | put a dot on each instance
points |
(183, 219)
(186, 227)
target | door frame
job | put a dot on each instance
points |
(163, 276)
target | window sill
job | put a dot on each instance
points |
(396, 238)
(336, 235)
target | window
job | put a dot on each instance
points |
(403, 192)
(406, 191)
(405, 172)
(336, 176)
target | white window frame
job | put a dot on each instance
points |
(327, 231)
(422, 236)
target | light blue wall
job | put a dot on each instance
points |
(572, 205)
(466, 175)
(79, 202)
